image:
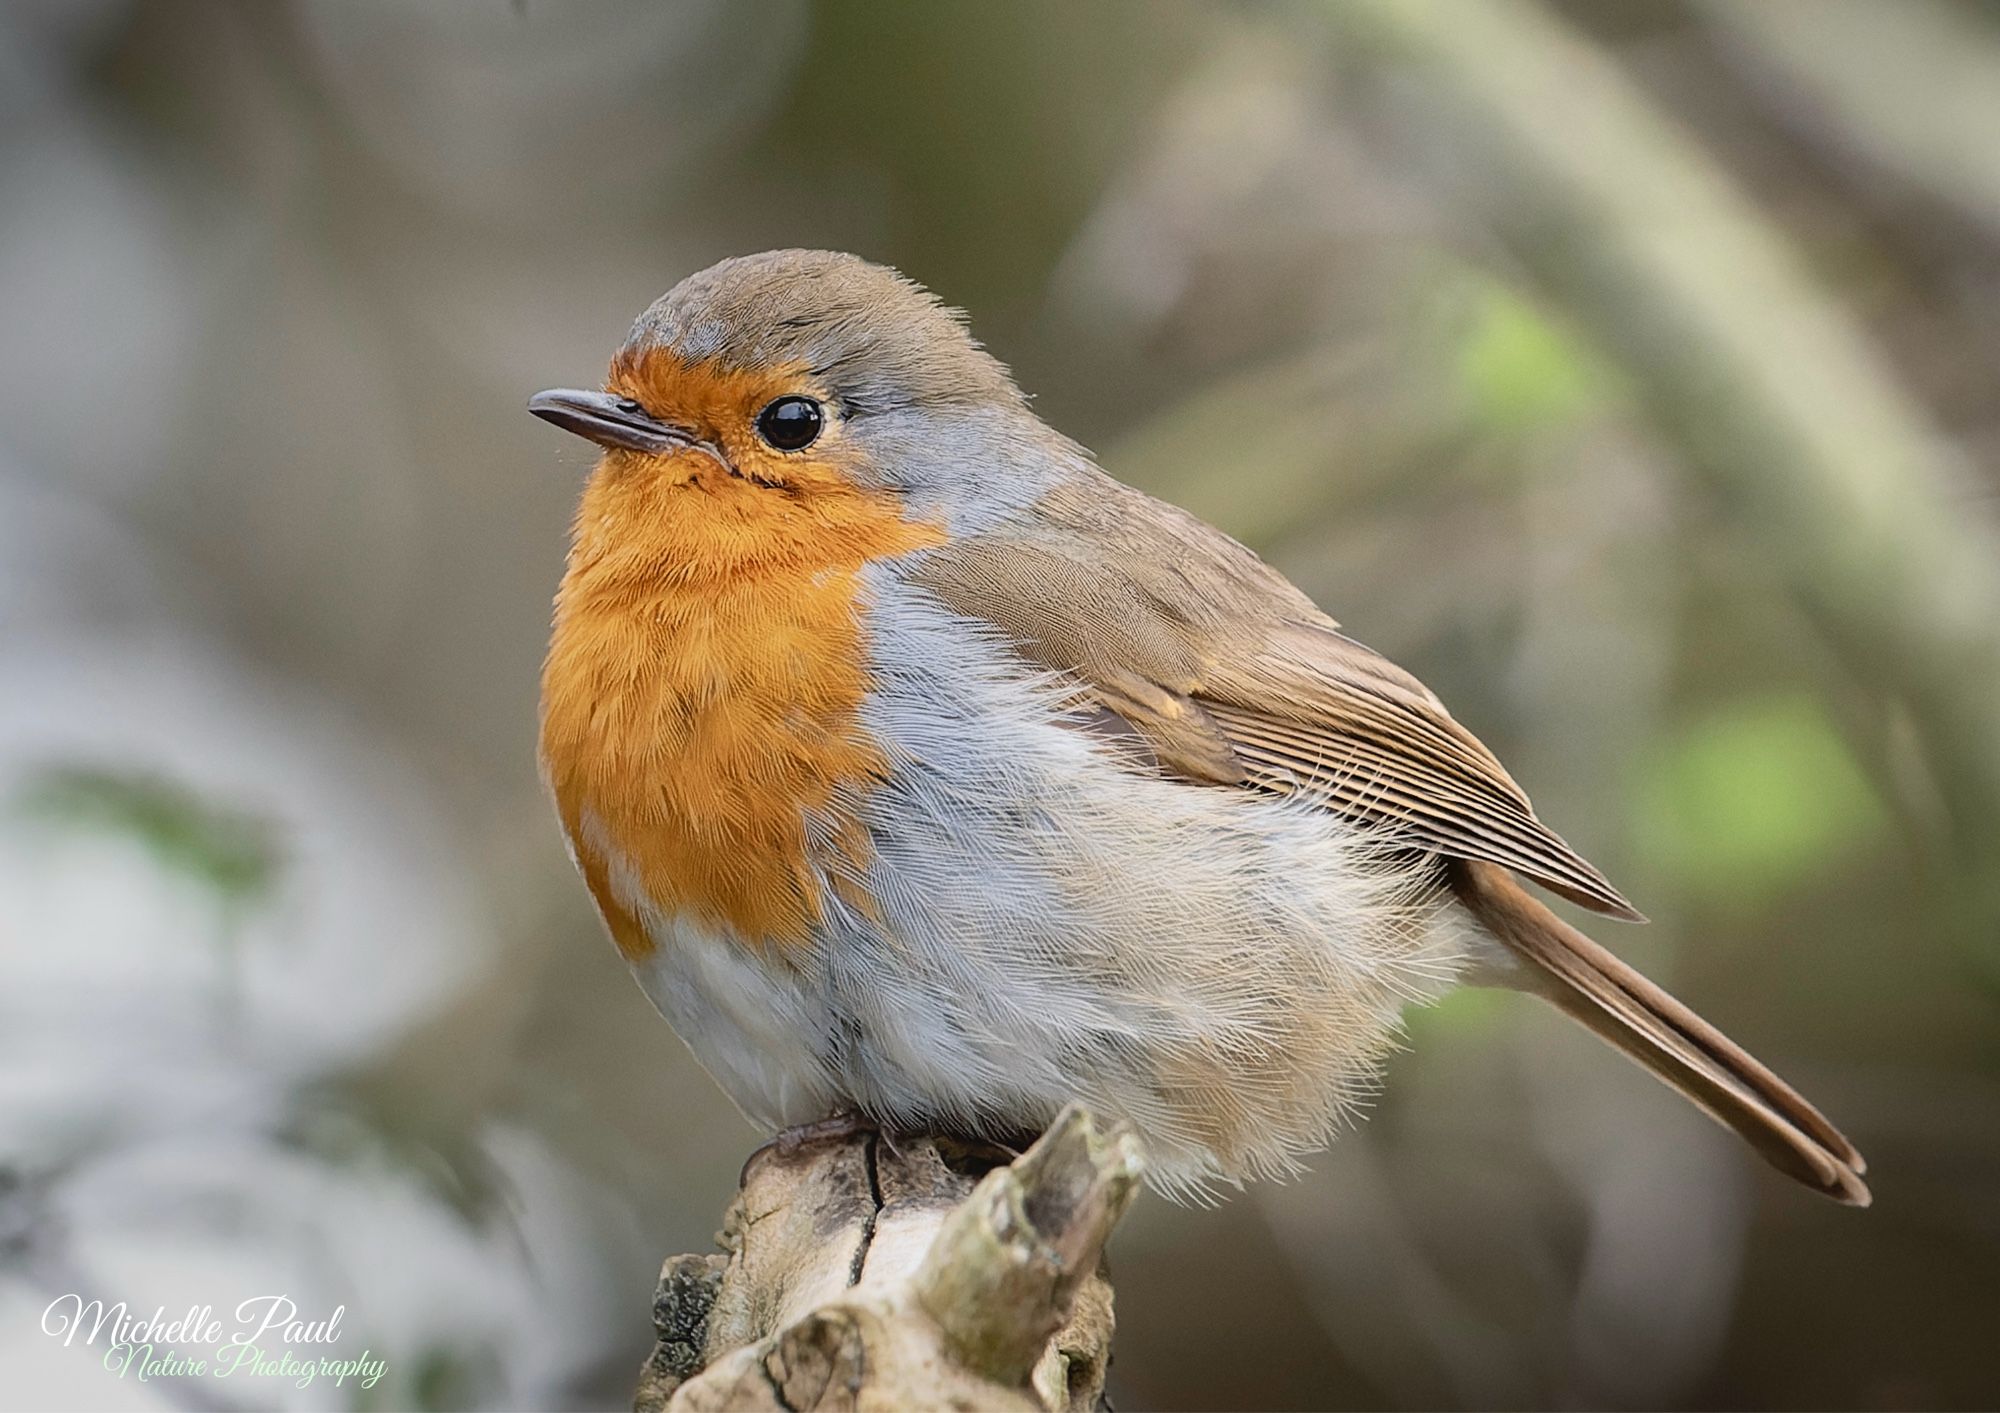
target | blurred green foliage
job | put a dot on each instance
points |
(1522, 370)
(1755, 799)
(231, 852)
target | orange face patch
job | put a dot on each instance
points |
(707, 667)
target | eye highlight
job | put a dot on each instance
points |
(791, 423)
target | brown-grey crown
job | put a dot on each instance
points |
(877, 340)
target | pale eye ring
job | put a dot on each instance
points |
(791, 423)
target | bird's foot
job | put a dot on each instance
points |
(962, 1153)
(846, 1124)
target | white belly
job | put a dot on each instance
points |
(1224, 970)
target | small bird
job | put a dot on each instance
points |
(927, 775)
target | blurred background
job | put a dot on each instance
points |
(1627, 370)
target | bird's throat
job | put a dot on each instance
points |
(701, 699)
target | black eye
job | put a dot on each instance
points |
(791, 423)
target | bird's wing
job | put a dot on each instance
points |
(1231, 677)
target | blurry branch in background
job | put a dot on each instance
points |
(1854, 64)
(1771, 393)
(1284, 424)
(871, 1272)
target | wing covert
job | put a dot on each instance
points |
(1231, 677)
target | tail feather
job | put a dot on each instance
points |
(1642, 1020)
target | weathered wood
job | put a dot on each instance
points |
(867, 1271)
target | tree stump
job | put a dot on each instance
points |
(876, 1272)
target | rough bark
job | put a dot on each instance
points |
(866, 1271)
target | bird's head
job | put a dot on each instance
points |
(809, 376)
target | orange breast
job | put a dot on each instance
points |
(701, 692)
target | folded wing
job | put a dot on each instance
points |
(1230, 676)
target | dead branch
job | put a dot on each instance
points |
(875, 1272)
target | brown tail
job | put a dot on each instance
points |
(1650, 1026)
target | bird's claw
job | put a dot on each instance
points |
(833, 1128)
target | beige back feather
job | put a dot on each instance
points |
(1229, 676)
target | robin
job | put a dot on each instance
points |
(925, 773)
